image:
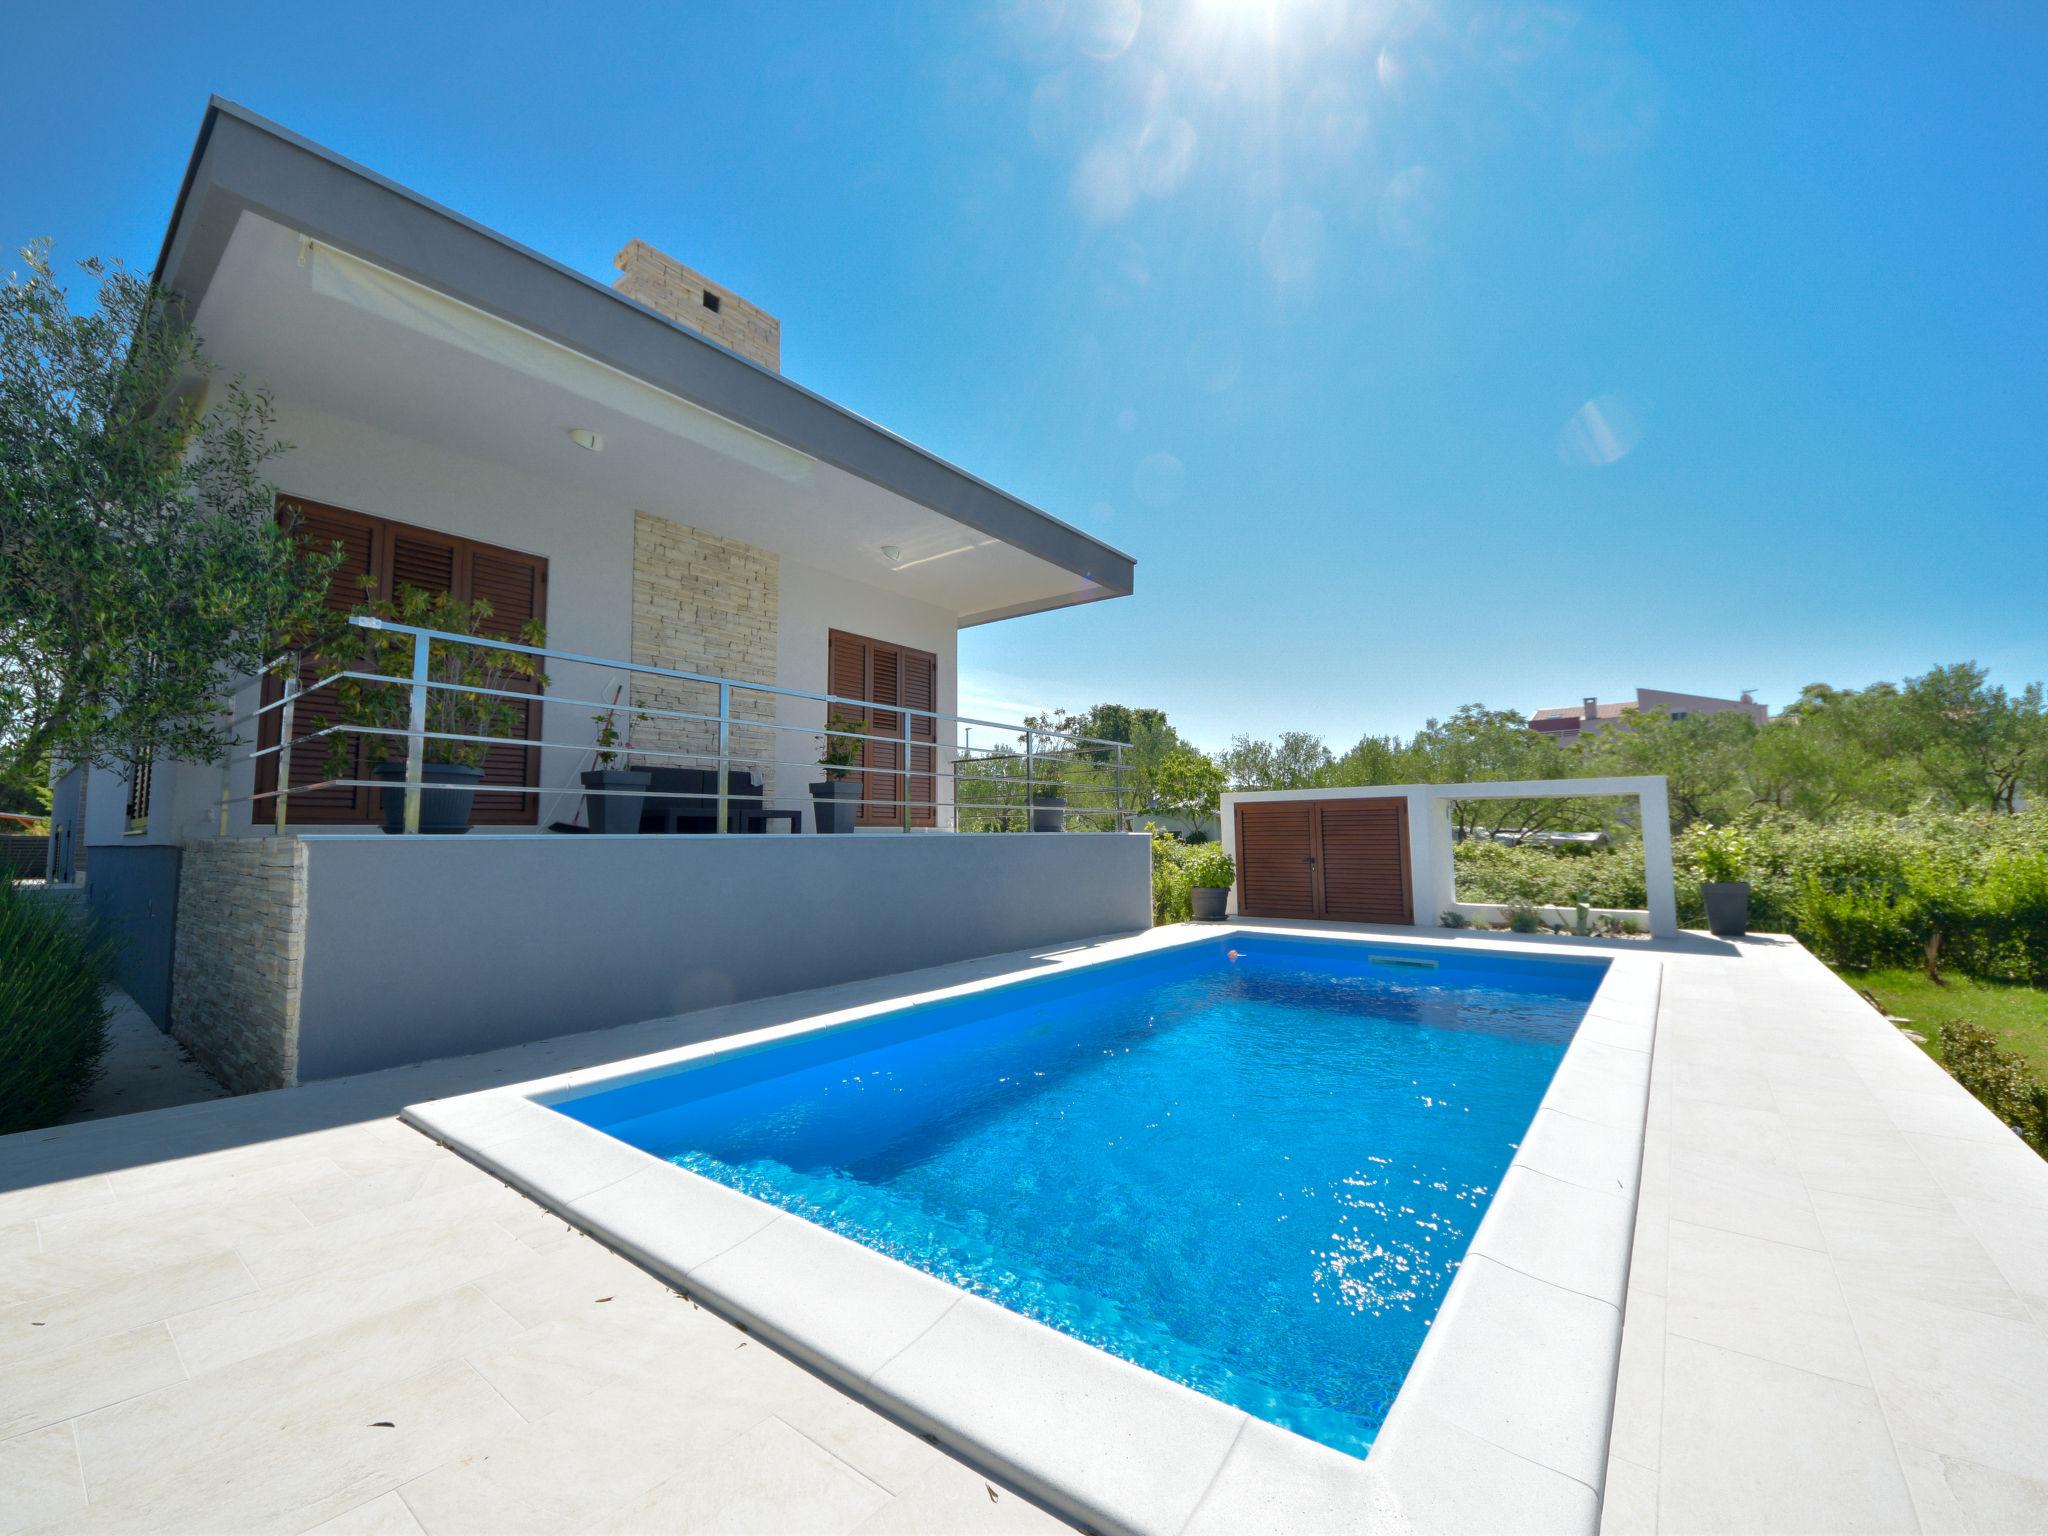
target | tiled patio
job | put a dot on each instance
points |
(289, 1312)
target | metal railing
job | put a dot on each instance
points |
(1045, 757)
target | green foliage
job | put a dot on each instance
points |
(466, 707)
(53, 1012)
(1170, 884)
(142, 565)
(1600, 877)
(1209, 868)
(1188, 783)
(2001, 1081)
(1523, 918)
(843, 744)
(1722, 854)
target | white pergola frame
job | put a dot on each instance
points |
(1432, 874)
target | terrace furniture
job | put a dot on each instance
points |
(757, 821)
(686, 799)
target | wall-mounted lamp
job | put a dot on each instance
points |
(583, 437)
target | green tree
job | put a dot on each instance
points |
(1190, 783)
(142, 566)
(1975, 743)
(1297, 760)
(1702, 759)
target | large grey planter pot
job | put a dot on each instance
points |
(835, 803)
(616, 813)
(443, 812)
(1048, 815)
(1206, 903)
(1727, 908)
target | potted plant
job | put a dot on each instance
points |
(1048, 806)
(468, 705)
(1210, 875)
(1723, 859)
(835, 799)
(616, 809)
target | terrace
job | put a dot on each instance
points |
(1826, 1308)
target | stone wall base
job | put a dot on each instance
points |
(241, 952)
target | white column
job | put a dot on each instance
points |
(1655, 808)
(1433, 855)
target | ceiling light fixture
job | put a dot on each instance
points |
(583, 437)
(892, 553)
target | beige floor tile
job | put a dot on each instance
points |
(87, 1374)
(249, 1403)
(878, 1448)
(1772, 1300)
(118, 1305)
(386, 1273)
(315, 1467)
(1628, 1500)
(1966, 1497)
(954, 1500)
(1962, 1384)
(771, 1482)
(1905, 1251)
(599, 1452)
(385, 1515)
(1750, 1445)
(39, 1478)
(38, 1200)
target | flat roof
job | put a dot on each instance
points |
(243, 162)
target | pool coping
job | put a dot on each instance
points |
(1502, 1420)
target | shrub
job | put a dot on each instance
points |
(1209, 868)
(53, 1011)
(1169, 879)
(1722, 854)
(1522, 918)
(1451, 917)
(2001, 1081)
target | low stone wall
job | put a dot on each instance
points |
(241, 950)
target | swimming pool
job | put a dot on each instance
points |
(1251, 1165)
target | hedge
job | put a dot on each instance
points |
(1937, 889)
(53, 1010)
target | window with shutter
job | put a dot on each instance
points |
(883, 674)
(378, 556)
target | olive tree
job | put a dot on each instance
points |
(143, 567)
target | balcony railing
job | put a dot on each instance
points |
(995, 788)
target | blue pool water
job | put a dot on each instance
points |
(1251, 1165)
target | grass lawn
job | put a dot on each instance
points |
(2018, 1015)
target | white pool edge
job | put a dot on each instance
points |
(1502, 1420)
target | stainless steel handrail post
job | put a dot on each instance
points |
(416, 732)
(724, 751)
(285, 740)
(1122, 825)
(906, 771)
(1030, 778)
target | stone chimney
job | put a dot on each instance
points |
(689, 298)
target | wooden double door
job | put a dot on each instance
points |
(1344, 859)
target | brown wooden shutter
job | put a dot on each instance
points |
(361, 556)
(918, 688)
(516, 588)
(885, 675)
(1363, 859)
(395, 554)
(1276, 859)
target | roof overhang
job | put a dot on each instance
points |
(249, 176)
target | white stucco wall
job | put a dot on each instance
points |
(588, 545)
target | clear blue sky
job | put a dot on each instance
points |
(1422, 355)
